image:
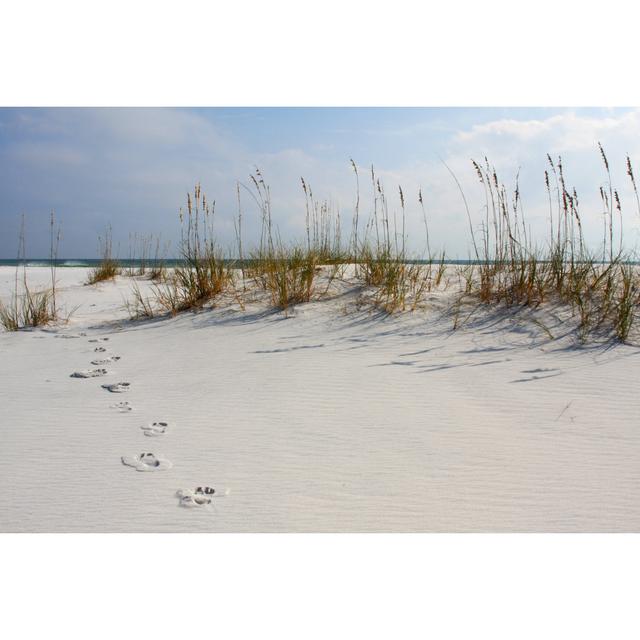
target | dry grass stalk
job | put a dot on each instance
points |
(108, 268)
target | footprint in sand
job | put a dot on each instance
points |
(117, 387)
(89, 373)
(147, 462)
(122, 407)
(199, 497)
(106, 360)
(155, 428)
(99, 349)
(99, 340)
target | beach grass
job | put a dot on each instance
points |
(108, 268)
(509, 267)
(601, 288)
(203, 273)
(28, 308)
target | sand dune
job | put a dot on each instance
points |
(334, 418)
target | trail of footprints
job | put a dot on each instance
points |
(199, 497)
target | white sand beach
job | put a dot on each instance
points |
(333, 418)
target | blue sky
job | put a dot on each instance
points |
(132, 168)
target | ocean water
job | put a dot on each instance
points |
(81, 262)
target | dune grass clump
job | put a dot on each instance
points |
(108, 267)
(194, 283)
(387, 274)
(203, 273)
(399, 284)
(382, 262)
(602, 289)
(288, 273)
(28, 308)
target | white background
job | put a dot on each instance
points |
(316, 586)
